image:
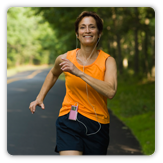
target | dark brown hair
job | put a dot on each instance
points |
(98, 20)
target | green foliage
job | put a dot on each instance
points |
(28, 40)
(36, 32)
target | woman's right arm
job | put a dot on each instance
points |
(50, 80)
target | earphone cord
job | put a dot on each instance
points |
(88, 99)
(90, 54)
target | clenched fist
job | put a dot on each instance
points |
(68, 66)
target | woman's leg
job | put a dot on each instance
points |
(70, 152)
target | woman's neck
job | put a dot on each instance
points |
(85, 52)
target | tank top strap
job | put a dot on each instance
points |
(102, 60)
(71, 55)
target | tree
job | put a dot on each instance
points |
(148, 32)
(122, 33)
(136, 24)
(28, 40)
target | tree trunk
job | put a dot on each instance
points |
(136, 53)
(146, 52)
(116, 31)
(120, 66)
(153, 57)
(136, 42)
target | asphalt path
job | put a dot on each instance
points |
(35, 134)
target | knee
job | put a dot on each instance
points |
(71, 152)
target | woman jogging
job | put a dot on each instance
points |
(90, 78)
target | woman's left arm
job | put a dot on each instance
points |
(108, 87)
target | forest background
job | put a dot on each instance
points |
(37, 35)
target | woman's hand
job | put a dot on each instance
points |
(68, 66)
(32, 106)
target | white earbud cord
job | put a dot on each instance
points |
(88, 98)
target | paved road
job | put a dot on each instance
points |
(29, 134)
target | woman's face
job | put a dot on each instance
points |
(88, 31)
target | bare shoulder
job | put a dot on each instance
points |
(110, 59)
(110, 62)
(59, 58)
(56, 70)
(63, 56)
(111, 72)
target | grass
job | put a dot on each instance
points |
(143, 127)
(134, 104)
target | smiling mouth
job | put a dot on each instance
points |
(87, 36)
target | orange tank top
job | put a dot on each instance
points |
(76, 90)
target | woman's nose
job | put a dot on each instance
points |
(87, 29)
